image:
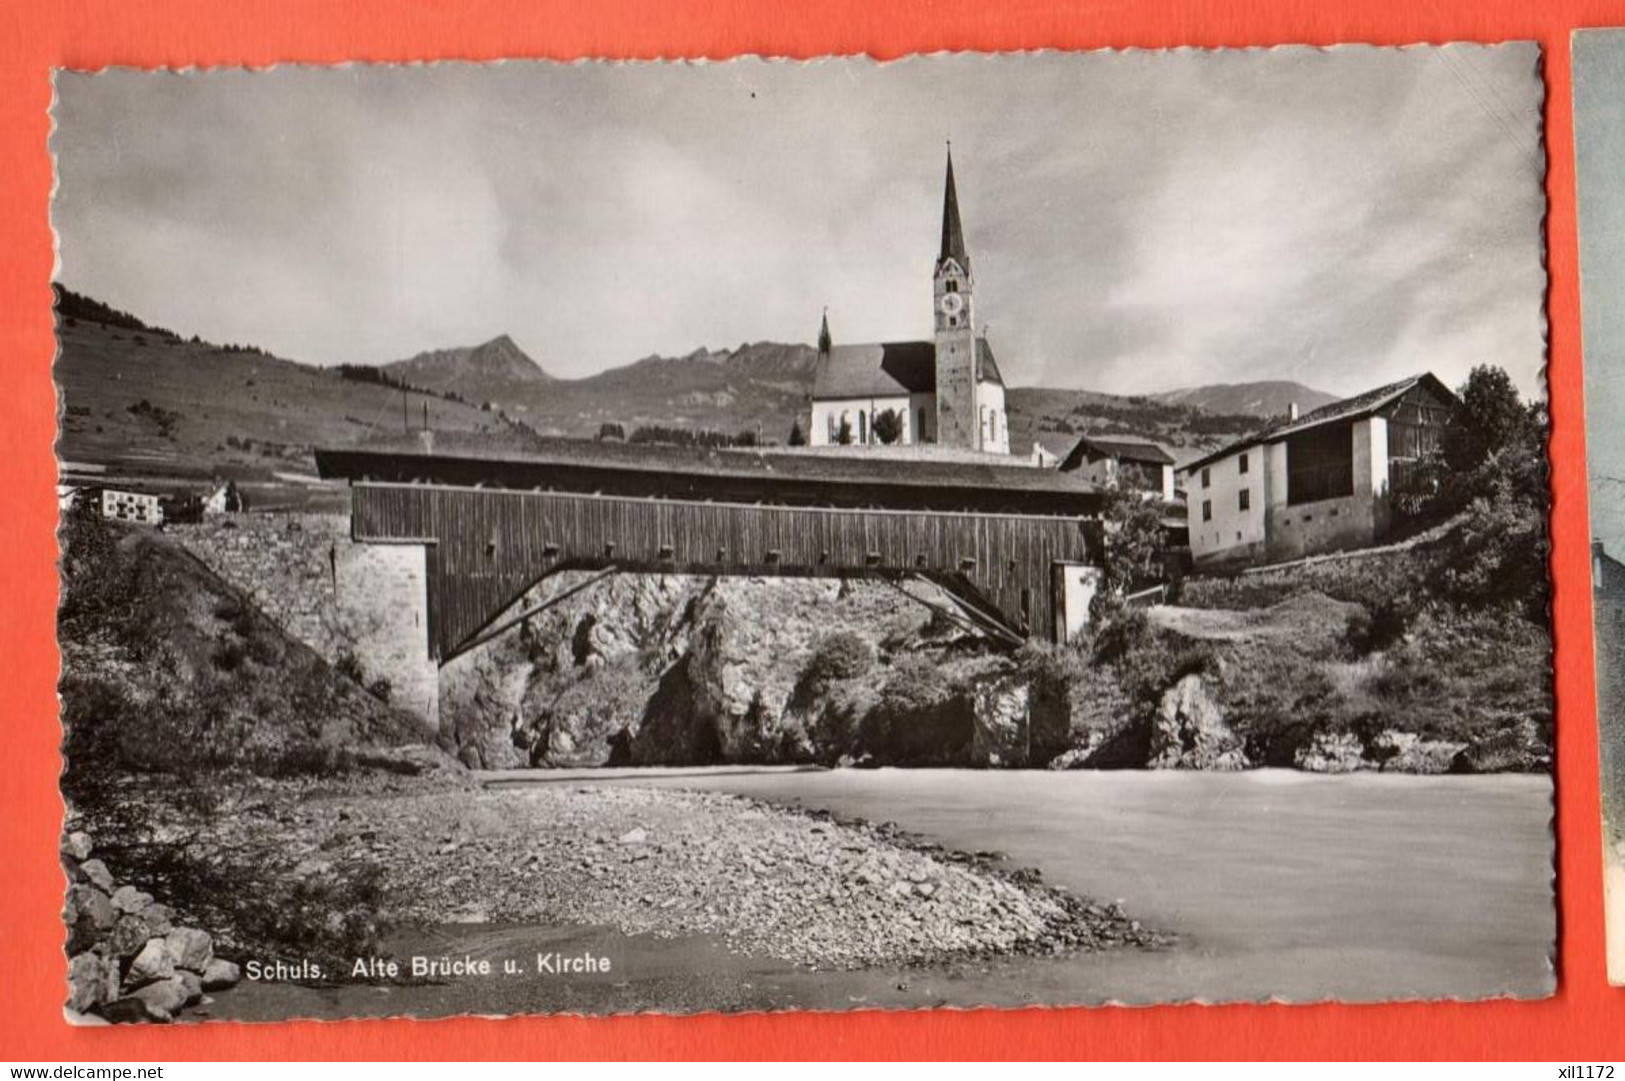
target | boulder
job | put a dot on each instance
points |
(92, 981)
(76, 846)
(1003, 712)
(191, 948)
(154, 961)
(97, 874)
(164, 998)
(133, 1009)
(1331, 752)
(89, 915)
(220, 974)
(1516, 748)
(1407, 752)
(131, 900)
(158, 918)
(192, 985)
(1189, 731)
(128, 936)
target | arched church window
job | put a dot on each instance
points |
(953, 320)
(953, 286)
(863, 427)
(920, 437)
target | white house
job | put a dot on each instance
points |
(125, 506)
(1317, 483)
(946, 391)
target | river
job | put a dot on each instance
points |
(1277, 884)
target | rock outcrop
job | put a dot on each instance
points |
(1189, 730)
(1331, 752)
(127, 960)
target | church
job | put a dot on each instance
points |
(946, 391)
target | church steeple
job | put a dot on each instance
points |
(824, 341)
(953, 233)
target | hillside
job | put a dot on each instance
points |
(148, 401)
(1185, 431)
(1268, 398)
(762, 386)
(145, 400)
(488, 372)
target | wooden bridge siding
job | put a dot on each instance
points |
(490, 545)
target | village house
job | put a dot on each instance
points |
(1316, 483)
(1050, 447)
(125, 506)
(946, 391)
(1122, 464)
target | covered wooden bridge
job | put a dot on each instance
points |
(1013, 547)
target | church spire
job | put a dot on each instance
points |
(953, 234)
(824, 341)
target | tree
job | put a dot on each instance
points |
(611, 429)
(798, 438)
(844, 435)
(888, 426)
(1493, 418)
(1135, 548)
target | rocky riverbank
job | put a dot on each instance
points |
(128, 960)
(799, 888)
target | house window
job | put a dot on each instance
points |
(1243, 468)
(1207, 510)
(1207, 477)
(1320, 464)
(1244, 499)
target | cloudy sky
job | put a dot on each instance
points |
(1138, 221)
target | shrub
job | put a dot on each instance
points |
(228, 656)
(1380, 623)
(888, 426)
(381, 689)
(348, 665)
(841, 655)
(1127, 632)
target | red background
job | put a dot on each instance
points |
(1585, 1021)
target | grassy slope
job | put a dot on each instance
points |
(204, 396)
(210, 395)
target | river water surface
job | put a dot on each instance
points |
(1277, 884)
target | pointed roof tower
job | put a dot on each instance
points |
(824, 341)
(953, 233)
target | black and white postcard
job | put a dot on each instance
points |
(1059, 528)
(1599, 121)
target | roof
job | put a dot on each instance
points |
(953, 233)
(889, 369)
(1130, 450)
(783, 477)
(1059, 444)
(1361, 405)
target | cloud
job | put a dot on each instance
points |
(1138, 221)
